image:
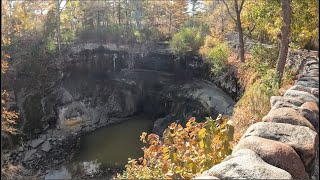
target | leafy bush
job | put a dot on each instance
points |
(183, 152)
(217, 56)
(187, 40)
(215, 52)
(67, 36)
(266, 56)
(146, 34)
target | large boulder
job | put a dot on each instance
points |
(308, 84)
(275, 153)
(310, 116)
(162, 123)
(287, 115)
(313, 91)
(303, 96)
(302, 139)
(312, 106)
(281, 104)
(294, 101)
(246, 164)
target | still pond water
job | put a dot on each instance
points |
(106, 148)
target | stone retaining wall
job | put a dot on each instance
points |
(285, 144)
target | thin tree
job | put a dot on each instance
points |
(58, 4)
(58, 26)
(237, 20)
(284, 37)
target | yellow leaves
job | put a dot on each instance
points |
(183, 153)
(202, 133)
(201, 144)
(165, 150)
(166, 157)
(8, 118)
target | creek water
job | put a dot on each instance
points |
(107, 148)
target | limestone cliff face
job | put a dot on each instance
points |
(98, 86)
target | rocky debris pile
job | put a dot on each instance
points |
(285, 144)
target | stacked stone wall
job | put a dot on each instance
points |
(285, 144)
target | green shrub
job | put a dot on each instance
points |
(51, 47)
(218, 56)
(264, 56)
(187, 40)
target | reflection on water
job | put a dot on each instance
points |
(106, 149)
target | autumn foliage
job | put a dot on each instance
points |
(182, 152)
(7, 117)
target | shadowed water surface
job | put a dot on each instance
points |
(113, 145)
(106, 149)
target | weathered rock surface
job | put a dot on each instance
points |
(281, 104)
(46, 146)
(310, 116)
(287, 115)
(291, 100)
(312, 106)
(275, 153)
(35, 143)
(248, 165)
(307, 84)
(302, 139)
(313, 91)
(29, 154)
(303, 96)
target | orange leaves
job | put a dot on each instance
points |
(183, 152)
(143, 137)
(7, 117)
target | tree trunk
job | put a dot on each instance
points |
(241, 42)
(58, 26)
(119, 13)
(170, 21)
(113, 11)
(284, 43)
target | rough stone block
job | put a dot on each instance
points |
(310, 116)
(294, 101)
(312, 106)
(247, 164)
(307, 84)
(303, 140)
(275, 153)
(303, 96)
(287, 115)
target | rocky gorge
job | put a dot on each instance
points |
(99, 85)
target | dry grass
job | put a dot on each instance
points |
(9, 171)
(255, 102)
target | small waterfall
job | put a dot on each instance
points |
(114, 62)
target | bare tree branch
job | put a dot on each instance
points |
(229, 10)
(254, 26)
(242, 2)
